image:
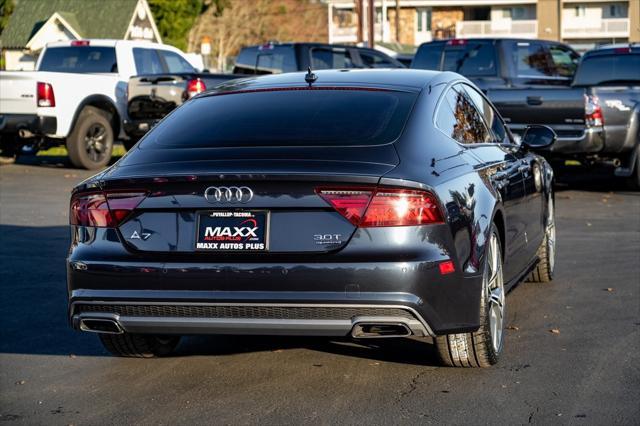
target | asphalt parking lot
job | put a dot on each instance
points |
(572, 348)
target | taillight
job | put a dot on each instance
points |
(384, 207)
(194, 87)
(592, 111)
(80, 43)
(103, 210)
(45, 95)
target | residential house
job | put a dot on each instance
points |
(34, 23)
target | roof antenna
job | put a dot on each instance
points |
(310, 77)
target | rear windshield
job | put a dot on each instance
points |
(474, 58)
(609, 69)
(428, 57)
(327, 117)
(80, 59)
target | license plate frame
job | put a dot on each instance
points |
(234, 219)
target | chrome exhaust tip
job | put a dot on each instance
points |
(100, 325)
(376, 330)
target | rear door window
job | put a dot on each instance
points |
(532, 60)
(428, 57)
(176, 63)
(276, 60)
(80, 59)
(473, 58)
(325, 59)
(375, 60)
(147, 61)
(565, 61)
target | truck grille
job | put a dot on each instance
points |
(242, 311)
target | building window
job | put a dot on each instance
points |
(580, 11)
(424, 20)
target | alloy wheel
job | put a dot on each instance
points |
(494, 293)
(95, 142)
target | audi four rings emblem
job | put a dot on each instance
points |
(228, 194)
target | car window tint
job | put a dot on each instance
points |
(428, 56)
(445, 119)
(469, 127)
(246, 61)
(498, 133)
(147, 61)
(319, 117)
(532, 60)
(275, 60)
(564, 60)
(619, 68)
(176, 63)
(375, 60)
(324, 59)
(470, 59)
(79, 59)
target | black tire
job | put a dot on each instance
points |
(9, 147)
(479, 349)
(543, 272)
(91, 141)
(139, 345)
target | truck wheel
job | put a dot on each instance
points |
(543, 273)
(91, 140)
(481, 348)
(9, 147)
(139, 345)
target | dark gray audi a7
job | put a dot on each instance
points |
(354, 203)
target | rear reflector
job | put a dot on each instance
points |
(383, 207)
(447, 267)
(45, 95)
(103, 210)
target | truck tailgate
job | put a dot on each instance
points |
(619, 106)
(18, 92)
(561, 108)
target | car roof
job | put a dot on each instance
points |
(617, 48)
(392, 78)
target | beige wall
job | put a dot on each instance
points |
(634, 20)
(548, 18)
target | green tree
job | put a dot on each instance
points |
(175, 18)
(6, 9)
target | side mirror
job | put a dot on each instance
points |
(537, 137)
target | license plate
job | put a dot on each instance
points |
(222, 231)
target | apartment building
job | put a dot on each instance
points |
(582, 23)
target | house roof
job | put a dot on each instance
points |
(90, 18)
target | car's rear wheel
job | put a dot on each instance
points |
(481, 348)
(91, 141)
(543, 272)
(139, 345)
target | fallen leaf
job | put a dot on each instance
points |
(20, 382)
(555, 331)
(588, 223)
(609, 289)
(513, 327)
(72, 355)
(374, 363)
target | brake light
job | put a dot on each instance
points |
(80, 43)
(457, 42)
(46, 97)
(384, 207)
(622, 50)
(103, 210)
(592, 111)
(195, 86)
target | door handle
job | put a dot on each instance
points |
(534, 100)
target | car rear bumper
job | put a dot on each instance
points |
(38, 125)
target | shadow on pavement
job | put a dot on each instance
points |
(34, 311)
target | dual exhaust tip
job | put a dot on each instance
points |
(362, 330)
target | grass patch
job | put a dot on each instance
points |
(61, 151)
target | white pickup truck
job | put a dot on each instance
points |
(78, 96)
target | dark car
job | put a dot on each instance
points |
(276, 58)
(361, 203)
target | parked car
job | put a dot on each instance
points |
(77, 96)
(593, 104)
(362, 203)
(275, 58)
(152, 97)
